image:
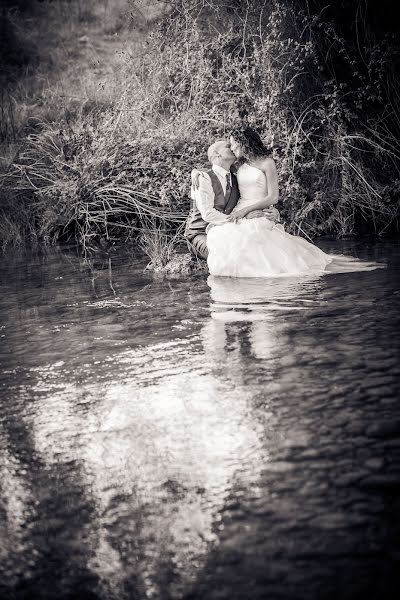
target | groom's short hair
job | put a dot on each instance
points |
(213, 148)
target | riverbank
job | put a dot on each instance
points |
(147, 92)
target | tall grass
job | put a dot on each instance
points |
(160, 245)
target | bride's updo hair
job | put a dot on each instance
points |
(251, 143)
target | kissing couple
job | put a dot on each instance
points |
(233, 222)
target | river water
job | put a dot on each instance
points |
(198, 438)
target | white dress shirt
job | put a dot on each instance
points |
(204, 196)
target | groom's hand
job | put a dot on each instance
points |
(236, 215)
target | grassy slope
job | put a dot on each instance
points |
(78, 54)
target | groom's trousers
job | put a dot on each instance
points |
(198, 245)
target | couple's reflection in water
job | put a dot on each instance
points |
(165, 460)
(250, 313)
(159, 461)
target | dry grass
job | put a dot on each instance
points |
(160, 245)
(83, 185)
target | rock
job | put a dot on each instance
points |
(180, 264)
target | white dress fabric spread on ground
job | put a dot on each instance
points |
(258, 247)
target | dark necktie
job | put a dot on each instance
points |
(228, 185)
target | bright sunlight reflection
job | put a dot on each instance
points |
(163, 441)
(172, 449)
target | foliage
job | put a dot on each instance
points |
(322, 108)
(325, 105)
(89, 181)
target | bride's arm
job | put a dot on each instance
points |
(269, 168)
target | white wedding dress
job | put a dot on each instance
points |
(258, 247)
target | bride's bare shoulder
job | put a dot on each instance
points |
(267, 162)
(267, 165)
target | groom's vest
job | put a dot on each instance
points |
(225, 204)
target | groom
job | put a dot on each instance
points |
(215, 198)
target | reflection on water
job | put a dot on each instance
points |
(240, 299)
(254, 304)
(167, 451)
(196, 438)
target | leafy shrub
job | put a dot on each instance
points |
(320, 106)
(90, 181)
(327, 113)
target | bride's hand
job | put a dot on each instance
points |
(235, 216)
(272, 214)
(195, 176)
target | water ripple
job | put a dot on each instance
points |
(219, 439)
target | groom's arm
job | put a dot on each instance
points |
(205, 197)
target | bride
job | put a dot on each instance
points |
(250, 244)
